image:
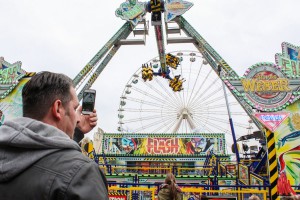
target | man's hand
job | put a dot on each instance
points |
(87, 122)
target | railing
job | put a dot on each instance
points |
(128, 191)
(123, 169)
(192, 170)
(140, 170)
(131, 193)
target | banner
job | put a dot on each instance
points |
(162, 144)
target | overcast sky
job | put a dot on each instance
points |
(63, 35)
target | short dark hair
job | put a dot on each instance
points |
(40, 92)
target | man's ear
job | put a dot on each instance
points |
(57, 109)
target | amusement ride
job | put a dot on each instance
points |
(178, 110)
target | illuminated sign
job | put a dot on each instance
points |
(174, 8)
(266, 86)
(270, 87)
(10, 74)
(131, 10)
(272, 120)
(257, 85)
(162, 146)
(289, 59)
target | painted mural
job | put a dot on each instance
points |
(164, 144)
(12, 80)
(11, 106)
(287, 137)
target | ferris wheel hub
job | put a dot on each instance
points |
(184, 113)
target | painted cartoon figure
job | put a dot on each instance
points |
(292, 136)
(128, 145)
(198, 145)
(293, 53)
(284, 187)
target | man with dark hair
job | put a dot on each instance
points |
(38, 158)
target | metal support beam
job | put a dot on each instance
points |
(132, 42)
(201, 42)
(173, 31)
(98, 71)
(180, 40)
(175, 130)
(191, 122)
(160, 46)
(122, 33)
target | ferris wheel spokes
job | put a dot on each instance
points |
(194, 83)
(164, 94)
(203, 82)
(152, 106)
(197, 99)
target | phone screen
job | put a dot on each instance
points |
(88, 102)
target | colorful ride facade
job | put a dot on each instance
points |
(268, 92)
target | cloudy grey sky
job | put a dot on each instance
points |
(63, 35)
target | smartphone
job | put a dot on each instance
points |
(88, 101)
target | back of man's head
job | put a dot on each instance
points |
(41, 91)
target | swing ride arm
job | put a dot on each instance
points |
(202, 43)
(156, 8)
(98, 71)
(160, 47)
(122, 33)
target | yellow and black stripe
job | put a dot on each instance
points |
(155, 5)
(85, 70)
(30, 74)
(116, 193)
(272, 164)
(225, 66)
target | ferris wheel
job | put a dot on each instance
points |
(154, 107)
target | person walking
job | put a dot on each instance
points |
(169, 190)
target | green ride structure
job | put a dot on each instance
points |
(135, 163)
